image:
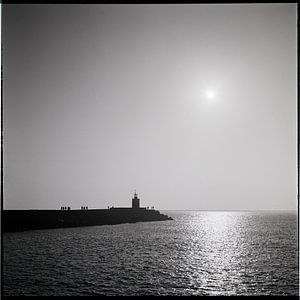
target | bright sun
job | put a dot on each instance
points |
(210, 94)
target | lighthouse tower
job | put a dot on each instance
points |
(135, 201)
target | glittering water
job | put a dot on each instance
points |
(198, 253)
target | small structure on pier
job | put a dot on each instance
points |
(135, 201)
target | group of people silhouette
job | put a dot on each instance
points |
(68, 207)
(65, 208)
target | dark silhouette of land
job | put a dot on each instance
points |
(21, 220)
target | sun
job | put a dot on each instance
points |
(210, 94)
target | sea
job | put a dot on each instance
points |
(197, 253)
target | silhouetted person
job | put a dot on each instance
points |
(68, 207)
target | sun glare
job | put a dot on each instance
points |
(210, 94)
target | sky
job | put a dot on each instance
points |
(194, 106)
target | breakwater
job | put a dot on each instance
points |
(21, 220)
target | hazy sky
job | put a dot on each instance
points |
(194, 106)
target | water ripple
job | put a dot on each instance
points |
(199, 253)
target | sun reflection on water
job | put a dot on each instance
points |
(218, 249)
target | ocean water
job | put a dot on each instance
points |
(198, 253)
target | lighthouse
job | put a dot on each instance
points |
(135, 201)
